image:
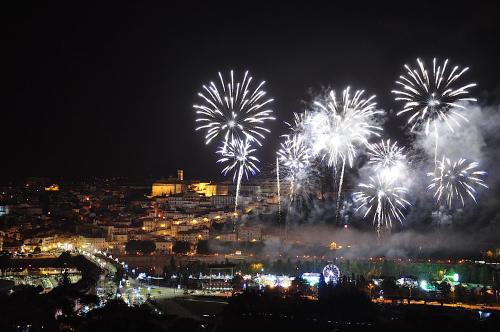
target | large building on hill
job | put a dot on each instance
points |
(177, 185)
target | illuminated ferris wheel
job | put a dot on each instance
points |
(331, 273)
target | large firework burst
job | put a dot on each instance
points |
(456, 180)
(233, 110)
(382, 198)
(433, 95)
(341, 126)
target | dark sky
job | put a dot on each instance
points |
(107, 89)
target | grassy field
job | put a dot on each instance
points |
(202, 305)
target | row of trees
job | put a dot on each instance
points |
(341, 307)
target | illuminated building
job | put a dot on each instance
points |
(210, 189)
(167, 188)
(205, 188)
(164, 246)
(221, 201)
(173, 186)
(149, 224)
(52, 187)
(231, 236)
(250, 233)
(193, 236)
(120, 238)
(98, 243)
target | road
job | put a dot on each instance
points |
(452, 305)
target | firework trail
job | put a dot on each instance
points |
(340, 127)
(382, 198)
(388, 159)
(234, 110)
(455, 180)
(237, 156)
(278, 187)
(433, 95)
(295, 156)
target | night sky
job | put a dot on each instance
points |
(101, 89)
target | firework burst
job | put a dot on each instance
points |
(339, 127)
(294, 153)
(342, 125)
(295, 156)
(233, 110)
(454, 180)
(382, 198)
(388, 159)
(435, 94)
(300, 122)
(238, 158)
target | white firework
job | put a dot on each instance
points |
(294, 153)
(238, 158)
(382, 198)
(300, 122)
(435, 94)
(341, 126)
(295, 156)
(388, 159)
(454, 180)
(234, 110)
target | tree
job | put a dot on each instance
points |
(202, 247)
(117, 316)
(323, 287)
(389, 287)
(237, 282)
(4, 261)
(145, 247)
(173, 266)
(300, 286)
(64, 258)
(65, 279)
(278, 266)
(460, 293)
(445, 290)
(119, 275)
(181, 247)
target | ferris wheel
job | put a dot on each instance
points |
(331, 273)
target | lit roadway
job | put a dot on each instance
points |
(453, 305)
